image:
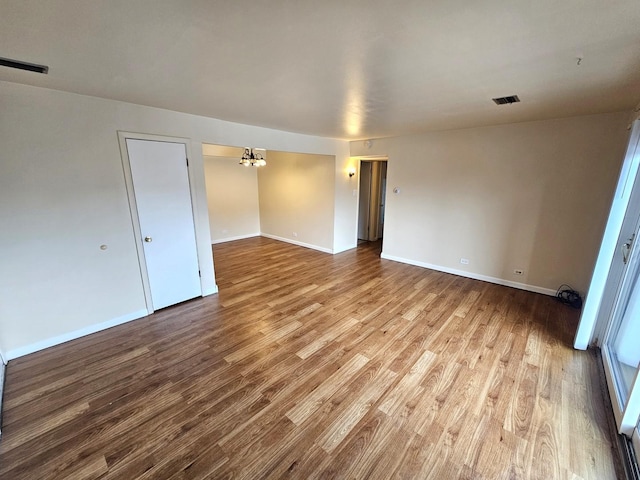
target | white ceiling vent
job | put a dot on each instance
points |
(506, 100)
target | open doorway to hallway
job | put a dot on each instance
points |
(371, 202)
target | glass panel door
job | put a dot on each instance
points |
(621, 357)
(620, 349)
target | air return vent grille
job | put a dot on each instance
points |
(31, 67)
(505, 100)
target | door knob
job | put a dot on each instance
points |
(148, 239)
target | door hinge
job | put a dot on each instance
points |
(199, 274)
(187, 159)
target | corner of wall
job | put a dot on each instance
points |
(345, 201)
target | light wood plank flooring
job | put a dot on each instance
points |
(308, 365)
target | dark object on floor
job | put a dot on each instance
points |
(569, 296)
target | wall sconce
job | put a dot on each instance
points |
(253, 157)
(351, 171)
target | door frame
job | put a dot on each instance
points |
(632, 406)
(606, 277)
(133, 207)
(359, 160)
(626, 409)
(364, 208)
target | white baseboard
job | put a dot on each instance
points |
(66, 337)
(50, 342)
(344, 249)
(281, 239)
(475, 276)
(231, 239)
(295, 242)
(3, 369)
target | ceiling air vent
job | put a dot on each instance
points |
(32, 67)
(505, 100)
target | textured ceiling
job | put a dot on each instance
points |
(347, 69)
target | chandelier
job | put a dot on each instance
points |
(253, 157)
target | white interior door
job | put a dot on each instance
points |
(163, 203)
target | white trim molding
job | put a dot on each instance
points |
(344, 249)
(602, 291)
(295, 242)
(123, 136)
(66, 337)
(232, 239)
(475, 276)
(3, 372)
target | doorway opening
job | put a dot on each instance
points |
(371, 203)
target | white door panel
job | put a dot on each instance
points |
(621, 311)
(163, 202)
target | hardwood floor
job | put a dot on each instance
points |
(308, 365)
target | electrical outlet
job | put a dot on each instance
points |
(295, 234)
(517, 271)
(464, 261)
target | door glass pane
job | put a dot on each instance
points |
(622, 341)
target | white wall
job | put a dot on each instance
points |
(232, 197)
(345, 231)
(296, 192)
(531, 196)
(317, 200)
(62, 194)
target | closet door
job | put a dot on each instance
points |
(163, 204)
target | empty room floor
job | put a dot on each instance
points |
(310, 365)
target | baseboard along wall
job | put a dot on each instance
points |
(475, 276)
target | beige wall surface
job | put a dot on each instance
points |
(296, 194)
(62, 195)
(532, 196)
(232, 197)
